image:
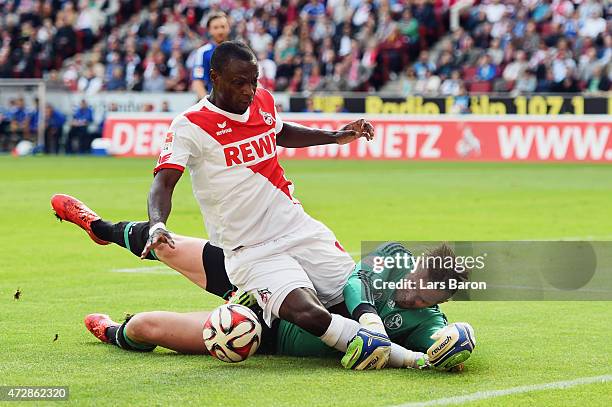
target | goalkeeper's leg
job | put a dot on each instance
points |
(181, 332)
(196, 259)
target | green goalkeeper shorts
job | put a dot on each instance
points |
(292, 340)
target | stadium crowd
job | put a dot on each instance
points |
(398, 46)
(310, 45)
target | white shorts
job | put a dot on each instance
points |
(310, 257)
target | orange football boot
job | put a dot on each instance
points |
(97, 324)
(74, 211)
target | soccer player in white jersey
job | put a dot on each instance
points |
(273, 249)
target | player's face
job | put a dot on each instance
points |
(422, 296)
(219, 29)
(235, 87)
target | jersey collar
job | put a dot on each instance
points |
(242, 118)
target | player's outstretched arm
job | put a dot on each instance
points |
(160, 205)
(294, 135)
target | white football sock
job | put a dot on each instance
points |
(339, 332)
(402, 357)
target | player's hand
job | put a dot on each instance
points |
(367, 350)
(157, 238)
(354, 130)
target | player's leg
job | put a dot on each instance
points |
(328, 266)
(181, 332)
(291, 340)
(193, 257)
(284, 291)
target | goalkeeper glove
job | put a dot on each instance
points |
(454, 345)
(371, 347)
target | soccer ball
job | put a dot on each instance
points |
(454, 345)
(232, 333)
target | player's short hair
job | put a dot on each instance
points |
(445, 269)
(229, 50)
(213, 16)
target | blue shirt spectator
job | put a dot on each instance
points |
(56, 119)
(83, 115)
(312, 10)
(486, 69)
(33, 120)
(201, 68)
(18, 114)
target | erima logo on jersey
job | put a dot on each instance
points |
(223, 129)
(252, 150)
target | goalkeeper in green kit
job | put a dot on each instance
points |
(410, 316)
(389, 296)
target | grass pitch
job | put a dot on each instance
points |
(63, 276)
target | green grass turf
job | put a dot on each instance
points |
(63, 276)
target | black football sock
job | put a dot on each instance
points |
(118, 337)
(131, 235)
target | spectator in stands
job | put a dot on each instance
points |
(486, 69)
(54, 121)
(38, 38)
(312, 10)
(32, 120)
(429, 85)
(218, 29)
(79, 139)
(155, 81)
(512, 72)
(531, 39)
(117, 80)
(89, 82)
(409, 26)
(5, 123)
(267, 70)
(594, 25)
(295, 85)
(599, 82)
(423, 65)
(495, 51)
(526, 83)
(314, 81)
(452, 85)
(260, 40)
(18, 121)
(494, 11)
(461, 102)
(547, 83)
(587, 63)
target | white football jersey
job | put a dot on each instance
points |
(236, 178)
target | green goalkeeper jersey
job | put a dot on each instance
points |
(370, 284)
(411, 328)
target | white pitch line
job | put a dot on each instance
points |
(572, 238)
(556, 290)
(145, 270)
(481, 395)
